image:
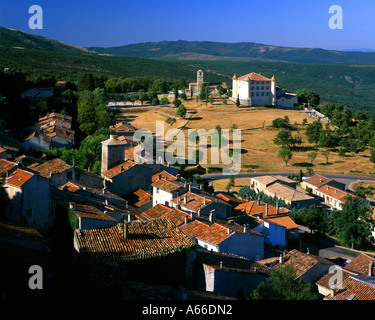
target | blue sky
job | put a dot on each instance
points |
(114, 23)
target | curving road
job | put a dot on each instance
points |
(346, 179)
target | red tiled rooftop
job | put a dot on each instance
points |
(254, 77)
(90, 212)
(317, 180)
(119, 169)
(18, 177)
(163, 175)
(333, 192)
(167, 185)
(51, 167)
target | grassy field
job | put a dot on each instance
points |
(259, 153)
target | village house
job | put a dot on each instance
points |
(29, 199)
(178, 217)
(332, 196)
(221, 236)
(202, 204)
(359, 287)
(273, 222)
(123, 129)
(305, 265)
(89, 217)
(228, 274)
(59, 172)
(37, 94)
(127, 177)
(289, 195)
(316, 181)
(165, 190)
(139, 199)
(260, 183)
(108, 254)
(51, 131)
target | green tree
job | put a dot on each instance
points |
(285, 154)
(284, 138)
(308, 96)
(326, 153)
(312, 155)
(313, 132)
(171, 121)
(181, 111)
(238, 103)
(315, 219)
(86, 117)
(164, 101)
(282, 284)
(353, 224)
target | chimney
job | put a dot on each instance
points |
(191, 216)
(244, 229)
(129, 218)
(126, 231)
(199, 211)
(281, 259)
(72, 206)
(185, 198)
(258, 201)
(277, 207)
(212, 216)
(333, 291)
(221, 264)
(104, 190)
(202, 186)
(370, 273)
(205, 200)
(186, 219)
(126, 204)
(266, 209)
(189, 187)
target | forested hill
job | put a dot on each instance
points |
(238, 51)
(11, 38)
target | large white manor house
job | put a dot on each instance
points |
(253, 89)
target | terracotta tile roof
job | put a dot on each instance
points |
(163, 175)
(324, 281)
(119, 169)
(254, 77)
(254, 209)
(212, 233)
(230, 262)
(145, 239)
(194, 201)
(266, 180)
(285, 221)
(5, 166)
(287, 193)
(52, 167)
(317, 180)
(10, 229)
(122, 127)
(167, 185)
(90, 212)
(355, 288)
(18, 177)
(301, 262)
(162, 211)
(138, 198)
(361, 264)
(333, 192)
(229, 199)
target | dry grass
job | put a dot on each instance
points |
(259, 153)
(219, 185)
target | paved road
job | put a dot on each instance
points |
(347, 179)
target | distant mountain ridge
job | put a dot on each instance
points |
(193, 50)
(11, 38)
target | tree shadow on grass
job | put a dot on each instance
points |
(303, 164)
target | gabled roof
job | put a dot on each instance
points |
(254, 209)
(10, 229)
(333, 192)
(317, 180)
(162, 211)
(288, 193)
(51, 167)
(299, 261)
(167, 185)
(18, 177)
(138, 198)
(163, 175)
(90, 212)
(355, 288)
(5, 166)
(116, 170)
(361, 264)
(254, 77)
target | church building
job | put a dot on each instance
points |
(253, 89)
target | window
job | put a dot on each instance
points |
(157, 190)
(262, 88)
(257, 94)
(252, 94)
(267, 94)
(257, 88)
(262, 94)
